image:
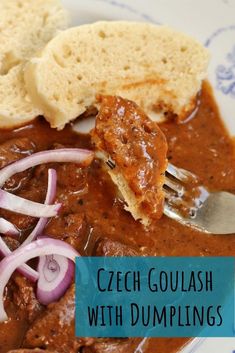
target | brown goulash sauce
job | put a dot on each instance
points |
(92, 211)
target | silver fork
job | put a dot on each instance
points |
(194, 205)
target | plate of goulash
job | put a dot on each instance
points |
(97, 99)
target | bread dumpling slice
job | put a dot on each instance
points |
(157, 67)
(134, 150)
(25, 27)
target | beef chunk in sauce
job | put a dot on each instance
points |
(12, 243)
(108, 247)
(69, 176)
(137, 148)
(22, 308)
(25, 299)
(71, 228)
(54, 329)
(12, 151)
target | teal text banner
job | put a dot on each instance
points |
(155, 297)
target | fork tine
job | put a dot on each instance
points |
(179, 173)
(179, 189)
(168, 194)
(171, 212)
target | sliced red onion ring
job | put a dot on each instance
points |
(75, 155)
(40, 247)
(25, 270)
(8, 228)
(55, 275)
(30, 208)
(51, 192)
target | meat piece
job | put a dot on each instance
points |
(137, 149)
(113, 346)
(107, 247)
(22, 222)
(68, 175)
(12, 243)
(11, 151)
(22, 307)
(31, 191)
(12, 333)
(71, 228)
(14, 149)
(54, 329)
(25, 299)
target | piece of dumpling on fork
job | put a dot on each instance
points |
(133, 149)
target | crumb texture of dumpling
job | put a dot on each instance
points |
(138, 149)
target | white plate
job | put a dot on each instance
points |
(212, 22)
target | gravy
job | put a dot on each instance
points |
(201, 145)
